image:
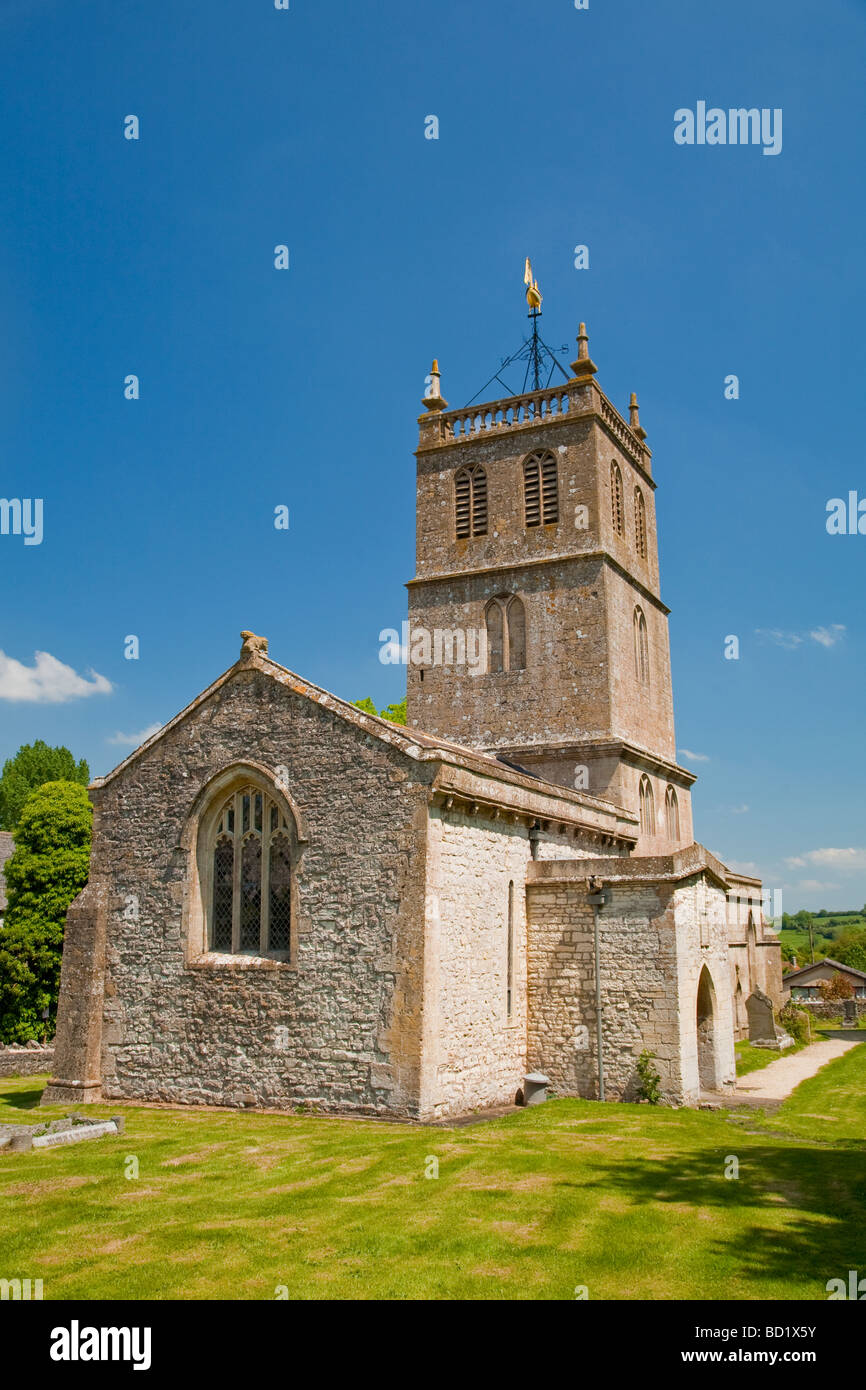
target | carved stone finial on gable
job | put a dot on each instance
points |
(252, 643)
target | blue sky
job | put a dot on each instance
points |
(262, 387)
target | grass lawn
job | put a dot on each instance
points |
(630, 1201)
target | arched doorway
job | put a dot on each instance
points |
(740, 1016)
(705, 1020)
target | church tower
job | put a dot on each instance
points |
(536, 526)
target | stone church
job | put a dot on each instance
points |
(293, 901)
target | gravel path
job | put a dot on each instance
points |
(778, 1080)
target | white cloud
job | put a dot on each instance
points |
(740, 810)
(135, 740)
(828, 636)
(824, 636)
(743, 866)
(832, 858)
(48, 682)
(693, 757)
(813, 885)
(789, 640)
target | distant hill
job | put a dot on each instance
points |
(826, 929)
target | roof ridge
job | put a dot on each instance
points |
(414, 743)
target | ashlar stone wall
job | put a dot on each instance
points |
(475, 1052)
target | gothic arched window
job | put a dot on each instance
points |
(541, 490)
(672, 814)
(647, 807)
(641, 647)
(250, 909)
(639, 523)
(506, 634)
(495, 635)
(515, 628)
(617, 505)
(470, 502)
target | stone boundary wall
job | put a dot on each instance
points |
(823, 1008)
(19, 1059)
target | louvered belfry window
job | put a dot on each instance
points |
(250, 907)
(617, 507)
(640, 523)
(541, 490)
(470, 502)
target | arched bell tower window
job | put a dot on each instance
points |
(647, 807)
(639, 523)
(250, 902)
(617, 504)
(541, 490)
(506, 634)
(641, 647)
(470, 502)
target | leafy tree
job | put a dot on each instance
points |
(48, 868)
(395, 713)
(836, 988)
(33, 765)
(850, 949)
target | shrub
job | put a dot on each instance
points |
(649, 1085)
(797, 1022)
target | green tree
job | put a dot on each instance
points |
(33, 765)
(396, 714)
(48, 868)
(850, 949)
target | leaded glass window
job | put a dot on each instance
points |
(251, 890)
(281, 895)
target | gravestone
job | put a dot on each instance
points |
(763, 1030)
(849, 1013)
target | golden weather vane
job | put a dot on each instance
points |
(541, 361)
(533, 293)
